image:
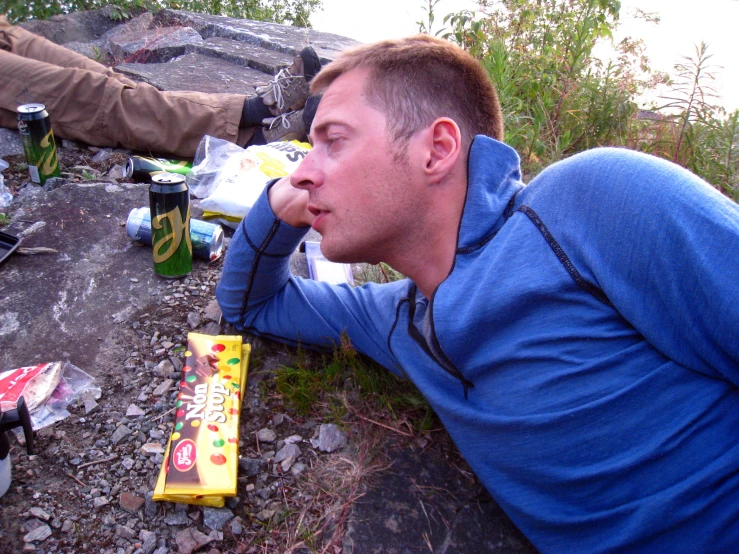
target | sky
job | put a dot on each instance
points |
(683, 24)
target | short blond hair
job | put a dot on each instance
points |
(416, 80)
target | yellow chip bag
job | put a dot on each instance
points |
(202, 456)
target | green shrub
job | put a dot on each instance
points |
(293, 12)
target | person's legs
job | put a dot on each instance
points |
(93, 108)
(27, 45)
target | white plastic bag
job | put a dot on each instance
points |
(229, 179)
(5, 196)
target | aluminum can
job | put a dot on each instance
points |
(141, 168)
(206, 238)
(169, 202)
(39, 146)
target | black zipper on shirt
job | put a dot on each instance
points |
(444, 362)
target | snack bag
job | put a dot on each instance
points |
(201, 460)
(229, 179)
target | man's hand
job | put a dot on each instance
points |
(289, 203)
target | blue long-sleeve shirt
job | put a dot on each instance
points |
(583, 352)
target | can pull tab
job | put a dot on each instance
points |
(19, 417)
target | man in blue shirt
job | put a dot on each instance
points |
(576, 335)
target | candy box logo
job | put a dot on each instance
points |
(184, 455)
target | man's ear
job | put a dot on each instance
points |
(443, 148)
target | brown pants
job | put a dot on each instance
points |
(91, 103)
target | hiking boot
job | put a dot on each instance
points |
(287, 126)
(289, 89)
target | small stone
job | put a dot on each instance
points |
(163, 368)
(131, 503)
(67, 526)
(251, 466)
(99, 502)
(176, 518)
(189, 540)
(287, 455)
(193, 319)
(89, 401)
(236, 526)
(101, 155)
(293, 439)
(134, 411)
(176, 363)
(152, 449)
(41, 533)
(128, 463)
(163, 387)
(125, 532)
(119, 434)
(264, 515)
(266, 435)
(216, 518)
(39, 513)
(212, 328)
(212, 311)
(297, 469)
(148, 541)
(150, 507)
(330, 438)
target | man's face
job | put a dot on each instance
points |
(364, 201)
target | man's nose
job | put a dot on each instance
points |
(307, 174)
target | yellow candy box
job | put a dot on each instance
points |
(202, 457)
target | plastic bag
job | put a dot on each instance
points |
(229, 179)
(71, 385)
(5, 196)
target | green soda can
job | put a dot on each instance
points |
(141, 168)
(39, 146)
(169, 202)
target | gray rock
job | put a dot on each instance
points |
(330, 438)
(251, 466)
(193, 319)
(39, 513)
(40, 533)
(266, 435)
(120, 433)
(190, 540)
(212, 328)
(54, 183)
(153, 45)
(125, 532)
(88, 399)
(82, 26)
(115, 173)
(196, 72)
(152, 449)
(134, 411)
(287, 455)
(163, 387)
(163, 368)
(176, 518)
(236, 526)
(102, 155)
(150, 507)
(67, 526)
(10, 143)
(176, 362)
(212, 311)
(148, 541)
(216, 518)
(99, 502)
